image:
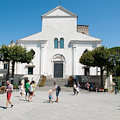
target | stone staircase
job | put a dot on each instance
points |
(60, 81)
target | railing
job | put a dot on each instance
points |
(37, 80)
(33, 77)
(2, 71)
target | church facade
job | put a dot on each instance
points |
(58, 47)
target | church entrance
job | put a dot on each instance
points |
(58, 62)
(58, 70)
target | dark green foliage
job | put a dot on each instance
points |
(101, 56)
(15, 86)
(87, 59)
(115, 51)
(15, 54)
(97, 57)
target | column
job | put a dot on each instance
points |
(73, 60)
(41, 67)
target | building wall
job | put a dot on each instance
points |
(59, 25)
(83, 29)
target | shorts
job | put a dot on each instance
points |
(31, 93)
(50, 97)
(57, 93)
(9, 96)
(87, 88)
(27, 92)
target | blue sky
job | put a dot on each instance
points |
(21, 18)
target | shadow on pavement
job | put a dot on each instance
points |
(17, 96)
(2, 107)
(72, 94)
(21, 99)
(118, 107)
(46, 101)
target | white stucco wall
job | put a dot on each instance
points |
(59, 23)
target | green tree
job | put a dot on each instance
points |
(15, 54)
(98, 57)
(5, 51)
(115, 51)
(87, 58)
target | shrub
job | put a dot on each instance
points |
(70, 81)
(106, 90)
(118, 83)
(15, 86)
(42, 83)
(2, 89)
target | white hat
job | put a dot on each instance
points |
(50, 90)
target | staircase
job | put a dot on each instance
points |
(60, 81)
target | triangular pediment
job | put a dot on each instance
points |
(58, 12)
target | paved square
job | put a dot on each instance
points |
(86, 106)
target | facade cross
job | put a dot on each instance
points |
(59, 2)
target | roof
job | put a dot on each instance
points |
(59, 11)
(37, 37)
(83, 25)
(79, 37)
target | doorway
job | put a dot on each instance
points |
(58, 70)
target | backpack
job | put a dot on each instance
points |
(59, 88)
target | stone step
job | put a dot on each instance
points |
(46, 88)
(60, 82)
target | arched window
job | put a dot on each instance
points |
(61, 43)
(55, 43)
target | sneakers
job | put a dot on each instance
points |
(11, 106)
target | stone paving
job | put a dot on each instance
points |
(85, 106)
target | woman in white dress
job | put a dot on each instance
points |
(21, 89)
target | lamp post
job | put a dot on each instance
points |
(114, 61)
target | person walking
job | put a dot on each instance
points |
(30, 92)
(21, 89)
(57, 88)
(27, 89)
(74, 89)
(87, 85)
(75, 79)
(34, 86)
(77, 90)
(9, 90)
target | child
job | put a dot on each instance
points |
(50, 96)
(34, 86)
